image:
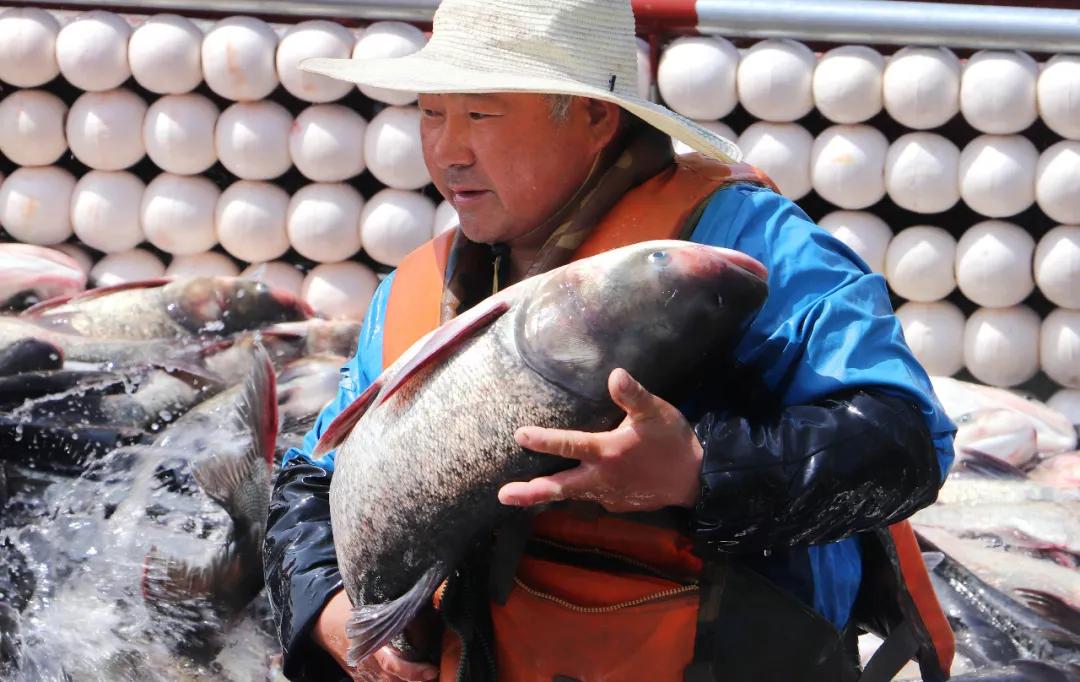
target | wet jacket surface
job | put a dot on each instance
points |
(829, 426)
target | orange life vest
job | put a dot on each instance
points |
(648, 618)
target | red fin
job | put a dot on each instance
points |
(343, 424)
(94, 293)
(445, 339)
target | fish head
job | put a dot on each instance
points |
(229, 304)
(655, 309)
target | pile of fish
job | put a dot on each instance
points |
(1003, 539)
(139, 427)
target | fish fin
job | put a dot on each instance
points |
(343, 424)
(446, 338)
(231, 579)
(1052, 608)
(373, 626)
(57, 301)
(222, 477)
(989, 466)
(933, 560)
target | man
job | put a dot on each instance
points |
(759, 482)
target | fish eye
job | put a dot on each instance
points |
(659, 258)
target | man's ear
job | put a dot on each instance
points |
(604, 119)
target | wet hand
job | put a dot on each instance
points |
(650, 461)
(385, 665)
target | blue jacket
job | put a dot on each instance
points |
(827, 327)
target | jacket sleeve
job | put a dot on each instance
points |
(299, 561)
(851, 435)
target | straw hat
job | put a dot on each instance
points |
(569, 47)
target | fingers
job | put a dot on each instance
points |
(399, 668)
(560, 486)
(577, 445)
(632, 397)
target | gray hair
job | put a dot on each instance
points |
(560, 107)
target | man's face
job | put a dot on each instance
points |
(503, 161)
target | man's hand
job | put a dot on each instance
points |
(652, 460)
(386, 665)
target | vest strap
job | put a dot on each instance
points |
(894, 653)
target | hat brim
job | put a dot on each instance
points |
(416, 73)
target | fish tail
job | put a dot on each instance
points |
(373, 626)
(239, 483)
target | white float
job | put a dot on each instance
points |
(921, 86)
(105, 210)
(696, 77)
(323, 222)
(446, 218)
(775, 80)
(310, 39)
(921, 173)
(1059, 347)
(129, 266)
(105, 129)
(847, 165)
(993, 264)
(395, 222)
(997, 174)
(1067, 402)
(384, 40)
(165, 54)
(278, 274)
(719, 127)
(782, 150)
(919, 263)
(1001, 345)
(644, 69)
(863, 232)
(935, 333)
(178, 213)
(207, 264)
(1057, 182)
(1058, 95)
(28, 47)
(92, 51)
(250, 221)
(392, 149)
(847, 84)
(327, 143)
(252, 140)
(1057, 266)
(997, 91)
(35, 205)
(81, 256)
(238, 58)
(32, 127)
(179, 133)
(340, 290)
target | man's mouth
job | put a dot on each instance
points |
(464, 197)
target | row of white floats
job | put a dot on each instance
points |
(187, 134)
(255, 221)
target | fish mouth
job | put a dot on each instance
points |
(748, 263)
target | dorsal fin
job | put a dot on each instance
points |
(343, 424)
(445, 339)
(58, 301)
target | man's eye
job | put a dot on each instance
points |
(477, 116)
(429, 113)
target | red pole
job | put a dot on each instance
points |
(665, 15)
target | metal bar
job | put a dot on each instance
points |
(895, 22)
(898, 22)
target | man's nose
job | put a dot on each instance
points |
(451, 145)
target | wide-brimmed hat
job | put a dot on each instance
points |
(568, 47)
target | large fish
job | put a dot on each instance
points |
(164, 309)
(1062, 471)
(425, 449)
(1051, 526)
(31, 274)
(29, 355)
(963, 400)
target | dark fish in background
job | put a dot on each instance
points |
(424, 451)
(30, 274)
(29, 355)
(164, 309)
